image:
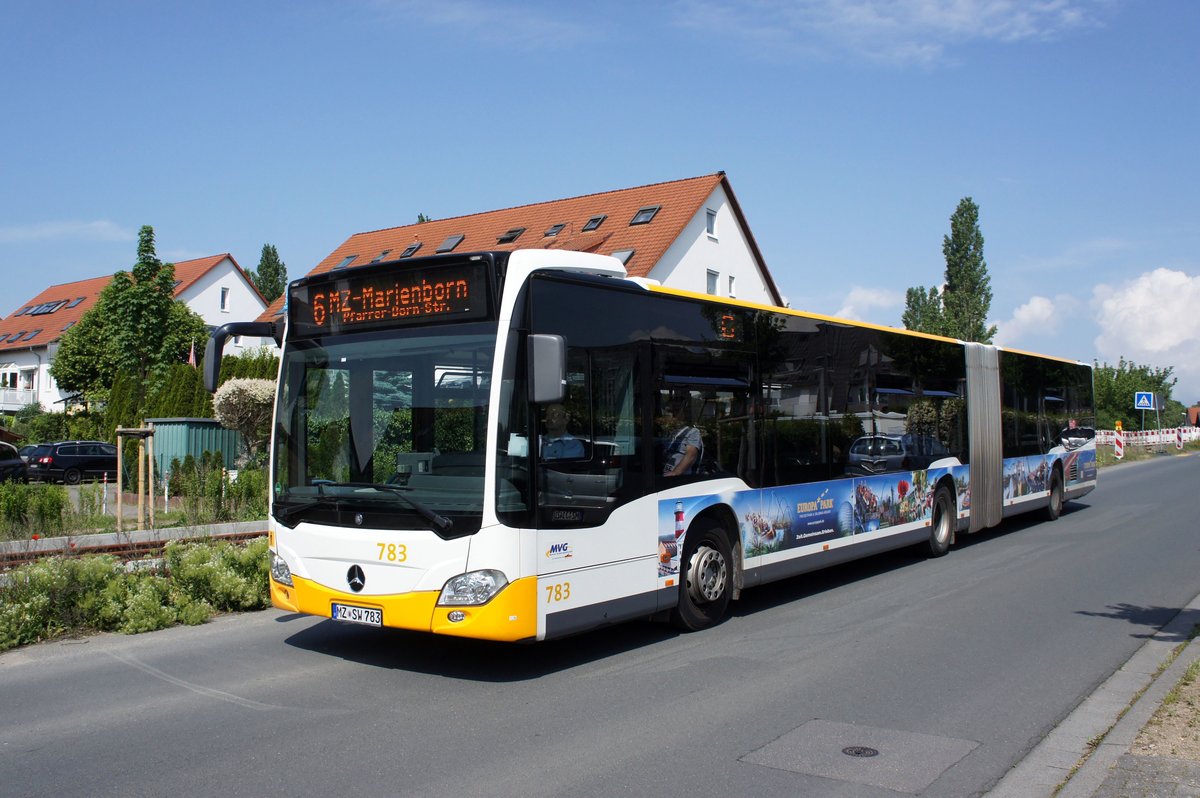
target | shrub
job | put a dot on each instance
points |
(95, 593)
(225, 576)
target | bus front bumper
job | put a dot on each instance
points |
(510, 616)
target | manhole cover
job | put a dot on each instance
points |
(860, 751)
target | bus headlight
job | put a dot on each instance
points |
(280, 571)
(475, 587)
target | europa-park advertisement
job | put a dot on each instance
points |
(795, 516)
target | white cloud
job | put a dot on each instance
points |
(1036, 319)
(46, 231)
(1153, 320)
(861, 302)
(892, 31)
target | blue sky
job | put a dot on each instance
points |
(849, 131)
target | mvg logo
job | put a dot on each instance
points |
(559, 551)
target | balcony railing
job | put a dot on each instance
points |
(12, 399)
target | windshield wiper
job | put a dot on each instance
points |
(285, 514)
(440, 522)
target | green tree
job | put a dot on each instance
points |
(136, 327)
(271, 276)
(923, 310)
(967, 297)
(422, 218)
(1115, 387)
(85, 362)
(961, 310)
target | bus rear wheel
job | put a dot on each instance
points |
(941, 533)
(706, 578)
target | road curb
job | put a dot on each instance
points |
(1136, 689)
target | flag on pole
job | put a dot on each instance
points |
(192, 354)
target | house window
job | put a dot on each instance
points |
(554, 230)
(710, 223)
(732, 286)
(410, 250)
(77, 300)
(237, 340)
(450, 243)
(511, 236)
(224, 300)
(595, 222)
(644, 215)
(623, 255)
(713, 280)
(32, 334)
(346, 261)
(381, 256)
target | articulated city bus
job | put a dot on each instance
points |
(525, 445)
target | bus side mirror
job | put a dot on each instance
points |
(216, 345)
(547, 368)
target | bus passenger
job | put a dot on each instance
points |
(557, 443)
(682, 453)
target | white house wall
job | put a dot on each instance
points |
(695, 253)
(204, 297)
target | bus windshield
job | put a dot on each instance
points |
(385, 430)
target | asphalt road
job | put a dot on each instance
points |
(951, 669)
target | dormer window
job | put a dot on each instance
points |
(346, 261)
(623, 255)
(380, 256)
(410, 250)
(595, 222)
(511, 236)
(555, 230)
(644, 215)
(79, 299)
(450, 243)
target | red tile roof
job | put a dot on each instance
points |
(56, 313)
(679, 201)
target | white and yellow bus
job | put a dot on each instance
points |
(702, 445)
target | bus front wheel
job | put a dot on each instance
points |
(1054, 508)
(706, 578)
(941, 533)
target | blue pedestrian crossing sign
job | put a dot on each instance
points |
(1143, 400)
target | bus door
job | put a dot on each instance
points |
(589, 460)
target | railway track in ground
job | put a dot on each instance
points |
(125, 545)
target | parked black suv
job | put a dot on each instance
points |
(73, 461)
(12, 467)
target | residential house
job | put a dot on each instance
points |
(689, 234)
(214, 287)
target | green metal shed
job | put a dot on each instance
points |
(179, 437)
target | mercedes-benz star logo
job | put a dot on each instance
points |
(356, 578)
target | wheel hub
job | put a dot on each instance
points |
(707, 575)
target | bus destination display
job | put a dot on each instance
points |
(392, 297)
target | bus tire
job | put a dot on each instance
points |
(705, 578)
(1054, 508)
(941, 531)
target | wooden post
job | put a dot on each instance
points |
(141, 484)
(145, 484)
(150, 468)
(120, 482)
